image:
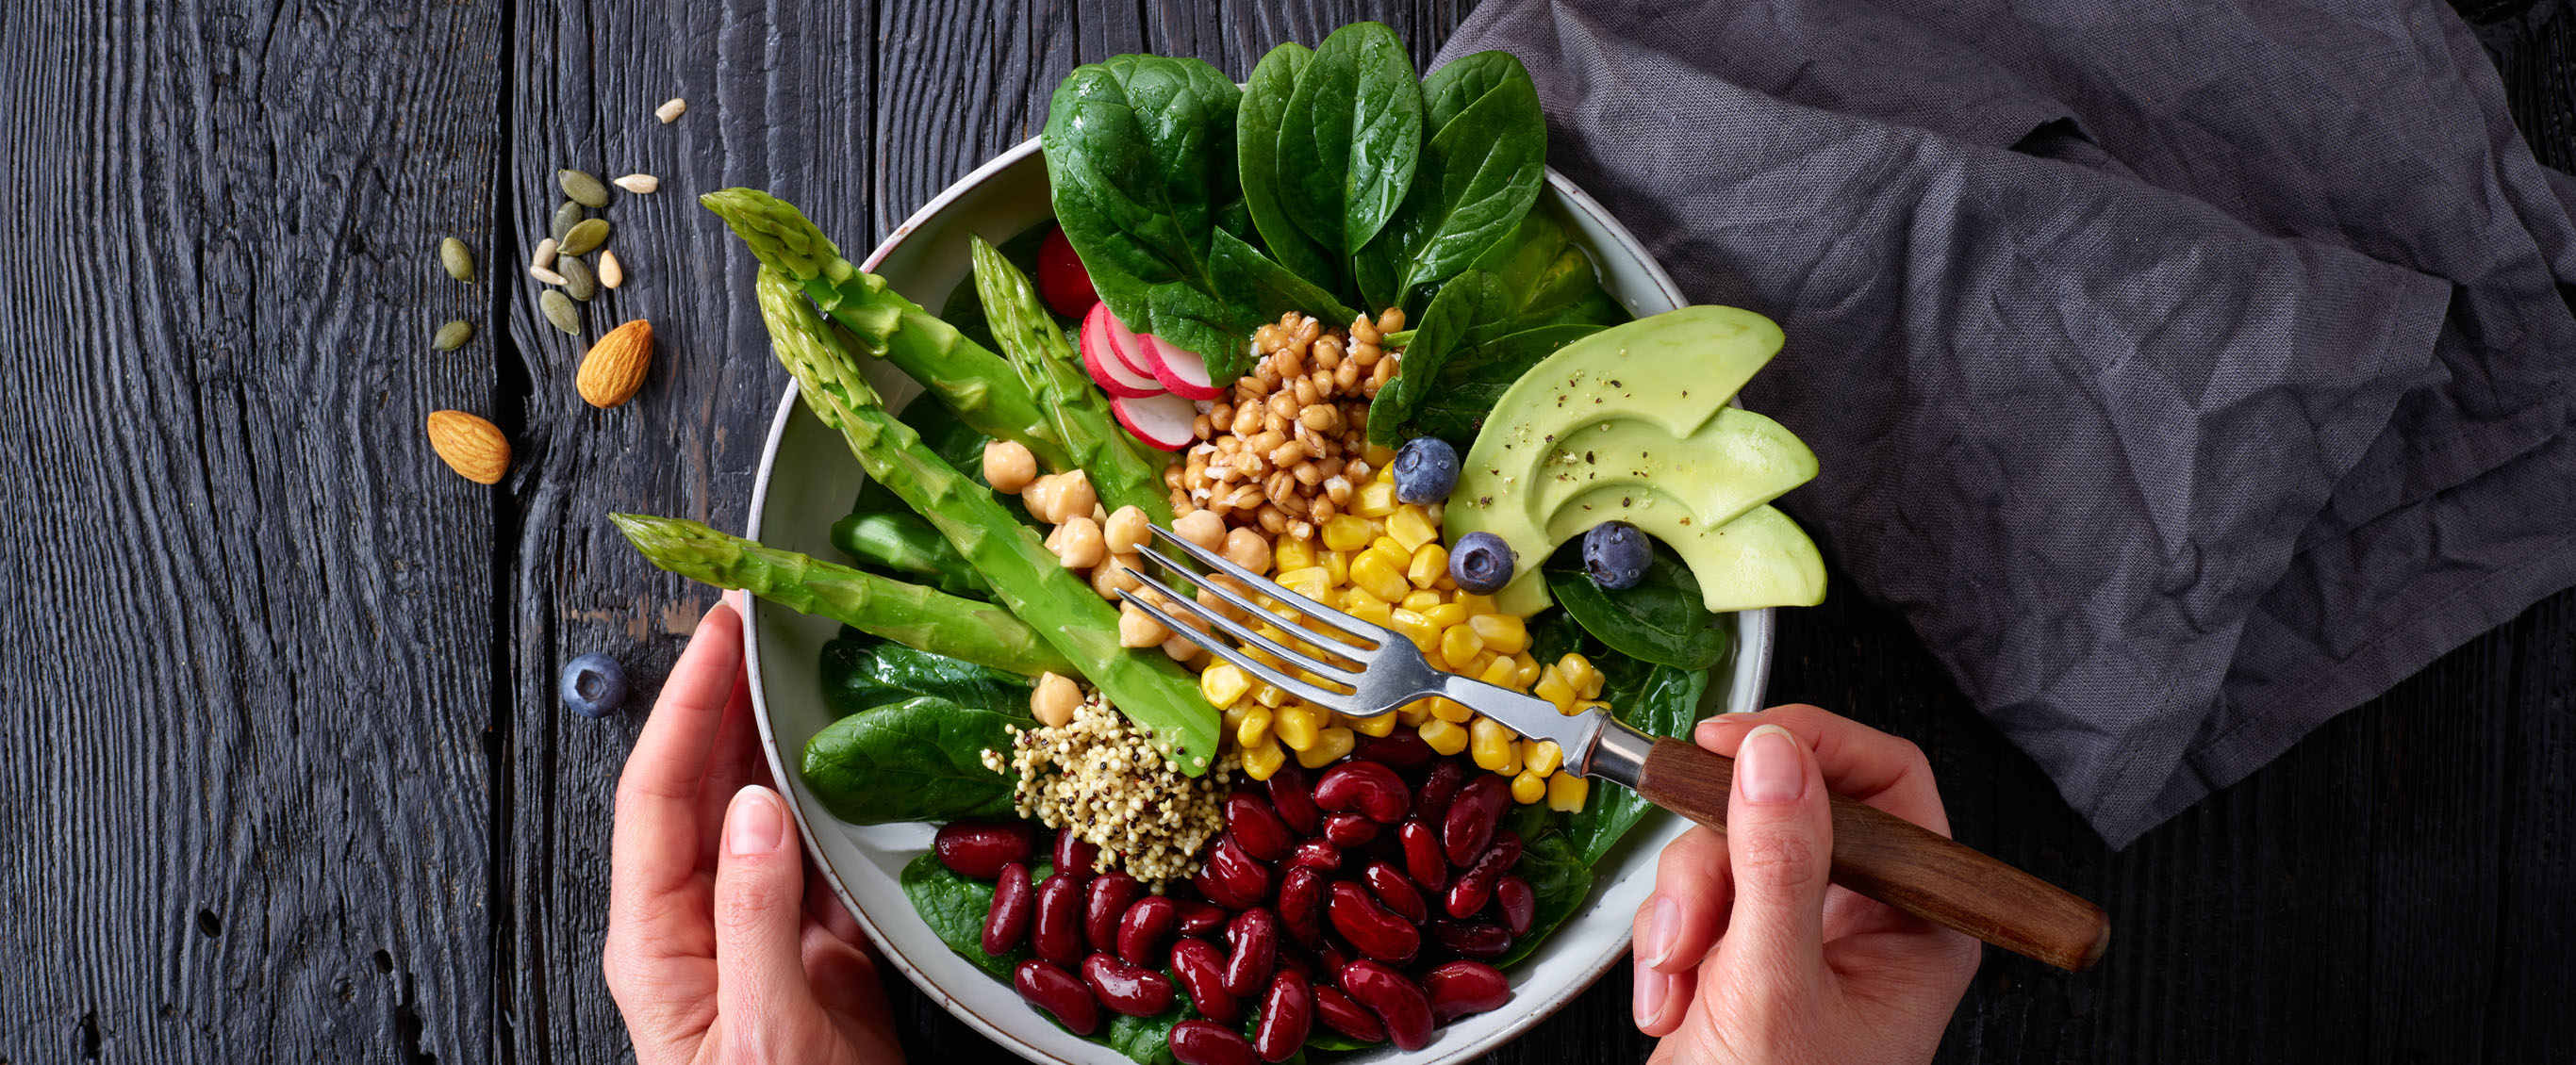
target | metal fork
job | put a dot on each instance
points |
(1876, 854)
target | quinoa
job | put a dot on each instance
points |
(1099, 777)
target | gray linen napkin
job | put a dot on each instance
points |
(2186, 374)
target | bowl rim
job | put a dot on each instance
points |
(1756, 633)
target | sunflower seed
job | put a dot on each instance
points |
(611, 272)
(578, 282)
(453, 335)
(566, 217)
(457, 258)
(670, 111)
(582, 187)
(638, 183)
(545, 255)
(560, 310)
(548, 276)
(590, 233)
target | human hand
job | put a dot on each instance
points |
(720, 948)
(1745, 953)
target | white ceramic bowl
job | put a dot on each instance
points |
(807, 480)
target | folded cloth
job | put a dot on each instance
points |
(2186, 376)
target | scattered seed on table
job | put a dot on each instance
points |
(583, 188)
(566, 217)
(548, 276)
(457, 259)
(591, 233)
(670, 111)
(638, 183)
(545, 255)
(578, 282)
(560, 310)
(611, 272)
(453, 335)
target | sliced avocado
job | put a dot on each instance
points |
(1737, 461)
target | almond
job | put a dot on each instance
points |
(473, 447)
(614, 369)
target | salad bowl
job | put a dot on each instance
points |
(808, 478)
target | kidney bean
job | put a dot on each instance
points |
(1459, 988)
(1197, 1042)
(1366, 787)
(1401, 749)
(1243, 877)
(1341, 1014)
(1110, 894)
(1056, 931)
(1199, 918)
(1349, 830)
(1256, 827)
(980, 849)
(1318, 853)
(1254, 940)
(1147, 928)
(1074, 855)
(1398, 1003)
(1424, 861)
(1470, 939)
(1007, 922)
(1373, 930)
(1393, 891)
(1130, 989)
(1216, 891)
(1469, 825)
(1301, 905)
(1047, 986)
(1518, 901)
(1201, 969)
(1476, 885)
(1287, 1013)
(1292, 794)
(1439, 788)
(1332, 955)
(1292, 956)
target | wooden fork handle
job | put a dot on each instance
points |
(1904, 865)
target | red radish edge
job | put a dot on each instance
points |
(1179, 369)
(1100, 358)
(1129, 346)
(1161, 420)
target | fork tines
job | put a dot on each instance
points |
(1206, 618)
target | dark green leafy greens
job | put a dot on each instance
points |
(917, 760)
(1660, 620)
(861, 672)
(1480, 170)
(1349, 138)
(1472, 381)
(955, 907)
(1473, 297)
(1559, 878)
(1265, 101)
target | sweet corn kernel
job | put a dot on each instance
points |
(1451, 710)
(1379, 725)
(1291, 553)
(1330, 744)
(1576, 670)
(1309, 581)
(1501, 671)
(1528, 788)
(1565, 791)
(1254, 728)
(1414, 713)
(1552, 687)
(1443, 736)
(1296, 726)
(1376, 499)
(1232, 716)
(1269, 695)
(1382, 457)
(1223, 683)
(1592, 683)
(1338, 564)
(1423, 633)
(1477, 666)
(1448, 614)
(1581, 705)
(1541, 756)
(1528, 666)
(1430, 563)
(1261, 761)
(1494, 747)
(1420, 601)
(1505, 633)
(1459, 647)
(1412, 527)
(1475, 604)
(1346, 532)
(1446, 582)
(1381, 578)
(1264, 657)
(1375, 611)
(1357, 596)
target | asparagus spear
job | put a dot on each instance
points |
(1121, 473)
(1144, 684)
(901, 540)
(983, 390)
(905, 613)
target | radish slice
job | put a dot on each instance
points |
(1130, 349)
(1099, 357)
(1163, 421)
(1180, 369)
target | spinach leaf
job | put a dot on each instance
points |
(1559, 878)
(917, 760)
(1256, 146)
(1480, 171)
(1661, 700)
(1472, 381)
(1660, 620)
(1474, 296)
(1322, 1038)
(862, 672)
(1551, 279)
(954, 907)
(1349, 137)
(1268, 287)
(1146, 1040)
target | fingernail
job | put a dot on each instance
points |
(1766, 767)
(1740, 715)
(756, 825)
(1656, 943)
(1652, 988)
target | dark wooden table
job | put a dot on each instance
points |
(287, 779)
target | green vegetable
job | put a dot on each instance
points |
(1474, 296)
(1147, 1040)
(860, 672)
(1660, 620)
(955, 907)
(1661, 700)
(1349, 140)
(965, 307)
(1560, 879)
(1146, 685)
(1471, 382)
(1480, 171)
(1121, 473)
(1265, 100)
(904, 543)
(969, 380)
(1552, 281)
(917, 760)
(907, 613)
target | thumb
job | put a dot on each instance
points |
(760, 900)
(1779, 846)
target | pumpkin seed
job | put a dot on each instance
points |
(670, 111)
(611, 272)
(578, 282)
(457, 259)
(453, 335)
(560, 310)
(590, 233)
(583, 188)
(638, 183)
(566, 217)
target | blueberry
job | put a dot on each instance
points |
(593, 685)
(1481, 563)
(1425, 470)
(1616, 554)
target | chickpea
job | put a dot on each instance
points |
(1039, 497)
(1248, 549)
(1114, 575)
(1054, 699)
(1008, 466)
(1072, 496)
(1180, 648)
(1126, 529)
(1138, 629)
(1202, 527)
(1077, 543)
